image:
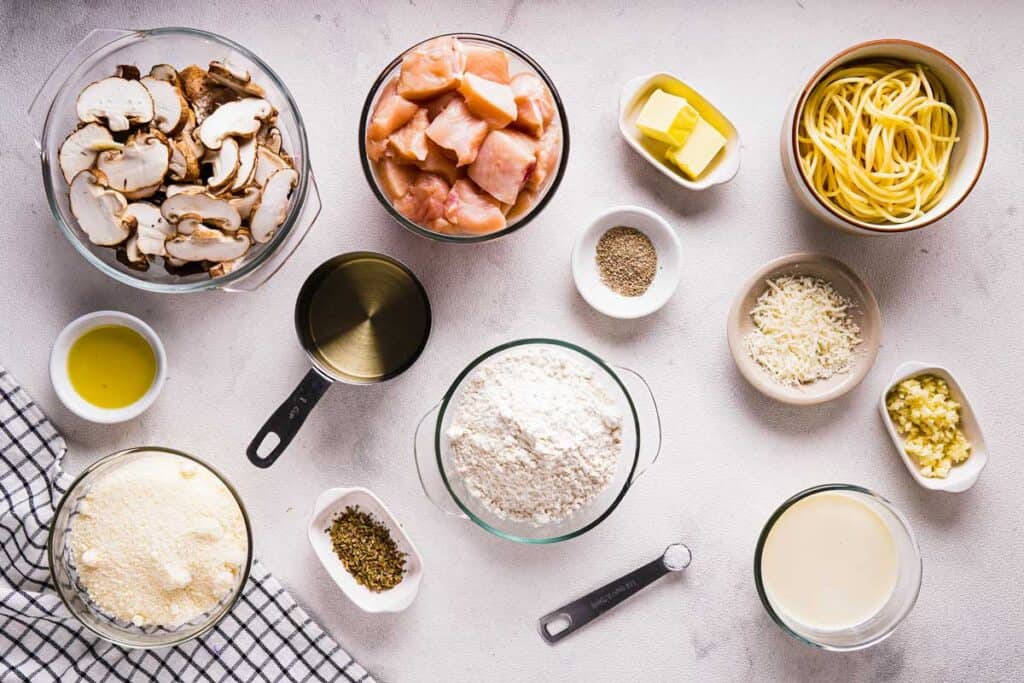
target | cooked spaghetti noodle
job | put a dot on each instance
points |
(875, 141)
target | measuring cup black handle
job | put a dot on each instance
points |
(592, 605)
(287, 419)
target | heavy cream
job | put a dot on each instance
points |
(829, 562)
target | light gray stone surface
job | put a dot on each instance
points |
(951, 294)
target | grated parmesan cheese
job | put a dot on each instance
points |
(159, 540)
(803, 330)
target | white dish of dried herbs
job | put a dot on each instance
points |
(365, 550)
(626, 263)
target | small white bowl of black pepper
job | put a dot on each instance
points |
(626, 263)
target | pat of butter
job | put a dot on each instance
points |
(694, 155)
(667, 118)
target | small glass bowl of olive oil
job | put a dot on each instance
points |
(107, 366)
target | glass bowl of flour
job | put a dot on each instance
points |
(150, 547)
(537, 440)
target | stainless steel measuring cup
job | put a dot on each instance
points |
(362, 318)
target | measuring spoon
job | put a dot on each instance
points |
(567, 620)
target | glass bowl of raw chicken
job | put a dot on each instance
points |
(463, 138)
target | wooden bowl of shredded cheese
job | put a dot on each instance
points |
(804, 329)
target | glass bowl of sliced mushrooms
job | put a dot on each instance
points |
(174, 160)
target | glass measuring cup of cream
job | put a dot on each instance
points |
(837, 567)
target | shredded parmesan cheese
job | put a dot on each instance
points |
(803, 330)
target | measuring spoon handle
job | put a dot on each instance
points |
(592, 605)
(287, 419)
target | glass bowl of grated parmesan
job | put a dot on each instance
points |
(160, 571)
(537, 440)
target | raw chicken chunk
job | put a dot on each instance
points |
(503, 164)
(439, 104)
(472, 212)
(395, 179)
(424, 201)
(535, 107)
(376, 149)
(492, 102)
(437, 161)
(457, 130)
(431, 69)
(548, 148)
(409, 143)
(487, 62)
(391, 113)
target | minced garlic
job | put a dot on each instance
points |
(926, 415)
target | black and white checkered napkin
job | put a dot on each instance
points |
(266, 637)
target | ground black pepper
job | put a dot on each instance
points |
(626, 260)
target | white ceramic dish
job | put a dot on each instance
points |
(722, 168)
(588, 279)
(59, 367)
(969, 153)
(865, 313)
(961, 477)
(334, 501)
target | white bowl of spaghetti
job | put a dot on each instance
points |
(887, 136)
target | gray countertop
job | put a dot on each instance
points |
(950, 294)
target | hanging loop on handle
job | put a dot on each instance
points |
(287, 419)
(40, 107)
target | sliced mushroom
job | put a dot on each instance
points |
(202, 207)
(151, 228)
(267, 164)
(143, 192)
(225, 267)
(235, 78)
(206, 244)
(99, 210)
(80, 149)
(244, 204)
(224, 162)
(131, 250)
(241, 118)
(171, 190)
(165, 72)
(272, 208)
(183, 164)
(118, 101)
(246, 164)
(270, 137)
(138, 166)
(170, 108)
(202, 92)
(127, 71)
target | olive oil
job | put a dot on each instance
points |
(111, 366)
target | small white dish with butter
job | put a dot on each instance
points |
(699, 141)
(961, 476)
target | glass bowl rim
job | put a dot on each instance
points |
(763, 537)
(446, 401)
(117, 455)
(534, 211)
(72, 233)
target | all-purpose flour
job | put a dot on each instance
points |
(535, 436)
